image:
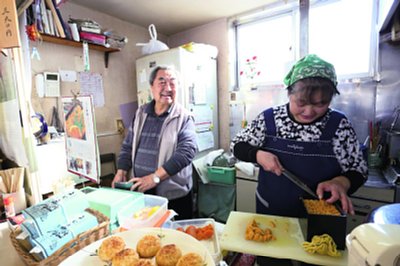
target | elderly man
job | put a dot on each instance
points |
(160, 146)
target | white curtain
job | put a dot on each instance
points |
(16, 136)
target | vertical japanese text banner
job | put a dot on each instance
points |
(9, 33)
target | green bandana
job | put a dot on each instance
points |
(310, 66)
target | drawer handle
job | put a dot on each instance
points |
(366, 207)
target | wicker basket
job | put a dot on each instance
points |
(79, 242)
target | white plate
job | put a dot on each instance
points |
(87, 256)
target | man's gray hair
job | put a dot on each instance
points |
(154, 72)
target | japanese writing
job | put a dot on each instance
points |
(6, 14)
(9, 33)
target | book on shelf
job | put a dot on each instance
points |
(64, 24)
(51, 22)
(90, 29)
(30, 17)
(92, 38)
(23, 5)
(37, 16)
(45, 20)
(56, 18)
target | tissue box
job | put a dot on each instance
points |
(48, 214)
(54, 239)
(73, 202)
(224, 175)
(42, 217)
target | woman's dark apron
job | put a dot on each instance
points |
(313, 162)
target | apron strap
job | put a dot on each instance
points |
(335, 117)
(331, 126)
(270, 121)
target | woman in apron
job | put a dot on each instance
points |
(306, 137)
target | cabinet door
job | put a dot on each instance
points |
(353, 221)
(362, 208)
(216, 201)
(246, 195)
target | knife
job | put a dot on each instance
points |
(306, 188)
(299, 183)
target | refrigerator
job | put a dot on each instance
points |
(197, 91)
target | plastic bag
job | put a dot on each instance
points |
(153, 45)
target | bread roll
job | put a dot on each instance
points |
(109, 247)
(125, 257)
(143, 262)
(148, 246)
(190, 259)
(168, 255)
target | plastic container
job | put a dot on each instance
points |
(126, 216)
(211, 244)
(110, 201)
(9, 206)
(18, 198)
(224, 175)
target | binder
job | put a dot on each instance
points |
(56, 18)
(65, 26)
(45, 21)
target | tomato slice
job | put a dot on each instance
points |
(191, 230)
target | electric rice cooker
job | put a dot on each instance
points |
(374, 244)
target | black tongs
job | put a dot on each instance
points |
(306, 188)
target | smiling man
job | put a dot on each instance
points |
(160, 146)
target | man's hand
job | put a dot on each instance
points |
(120, 176)
(143, 183)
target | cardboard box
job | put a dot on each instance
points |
(224, 175)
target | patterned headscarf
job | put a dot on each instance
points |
(310, 66)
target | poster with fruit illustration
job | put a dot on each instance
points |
(80, 137)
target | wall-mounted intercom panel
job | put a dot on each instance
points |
(51, 84)
(48, 84)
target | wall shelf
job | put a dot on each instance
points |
(62, 41)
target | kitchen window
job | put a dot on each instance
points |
(268, 42)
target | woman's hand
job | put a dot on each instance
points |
(338, 188)
(269, 162)
(120, 176)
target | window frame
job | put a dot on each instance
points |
(300, 45)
